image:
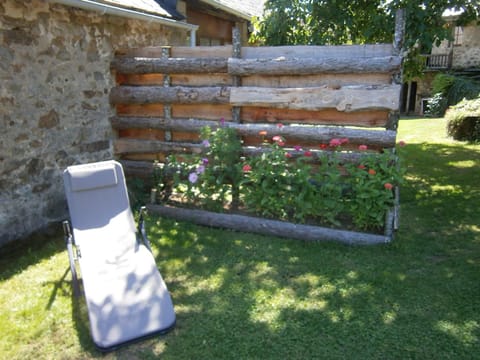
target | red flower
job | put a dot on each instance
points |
(362, 147)
(335, 142)
(361, 166)
(323, 146)
(281, 143)
(247, 168)
(372, 172)
(401, 143)
(388, 186)
(307, 153)
(288, 155)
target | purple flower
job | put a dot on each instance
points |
(205, 161)
(206, 143)
(222, 122)
(193, 177)
(200, 169)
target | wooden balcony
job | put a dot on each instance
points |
(438, 61)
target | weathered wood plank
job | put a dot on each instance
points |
(176, 94)
(268, 227)
(140, 65)
(297, 51)
(371, 118)
(345, 98)
(203, 111)
(309, 66)
(200, 80)
(201, 51)
(334, 80)
(140, 109)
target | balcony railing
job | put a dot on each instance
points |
(438, 61)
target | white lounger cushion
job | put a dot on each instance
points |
(125, 293)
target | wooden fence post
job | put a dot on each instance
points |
(167, 109)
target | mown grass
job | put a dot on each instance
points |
(243, 296)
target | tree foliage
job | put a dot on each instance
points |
(334, 22)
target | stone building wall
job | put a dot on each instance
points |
(54, 87)
(467, 55)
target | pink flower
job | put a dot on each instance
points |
(307, 153)
(335, 142)
(193, 177)
(388, 186)
(288, 155)
(372, 172)
(247, 168)
(297, 148)
(262, 133)
(280, 125)
(277, 138)
(361, 166)
(343, 141)
(362, 147)
(401, 143)
(281, 143)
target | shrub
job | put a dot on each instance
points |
(463, 120)
(449, 90)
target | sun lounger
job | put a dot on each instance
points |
(125, 294)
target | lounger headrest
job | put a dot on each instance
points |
(93, 177)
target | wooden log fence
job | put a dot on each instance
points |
(165, 96)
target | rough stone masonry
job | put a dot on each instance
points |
(54, 110)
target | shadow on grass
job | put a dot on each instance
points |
(18, 255)
(244, 296)
(442, 186)
(239, 295)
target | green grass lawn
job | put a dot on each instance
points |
(243, 296)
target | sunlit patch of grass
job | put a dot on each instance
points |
(466, 333)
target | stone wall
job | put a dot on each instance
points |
(54, 86)
(467, 55)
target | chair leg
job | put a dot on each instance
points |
(141, 228)
(71, 257)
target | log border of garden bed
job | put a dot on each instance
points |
(277, 228)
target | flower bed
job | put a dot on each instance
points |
(288, 184)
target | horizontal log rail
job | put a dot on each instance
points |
(343, 98)
(248, 67)
(377, 138)
(144, 65)
(312, 66)
(175, 94)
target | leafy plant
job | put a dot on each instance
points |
(287, 184)
(449, 90)
(463, 120)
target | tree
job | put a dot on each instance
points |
(334, 22)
